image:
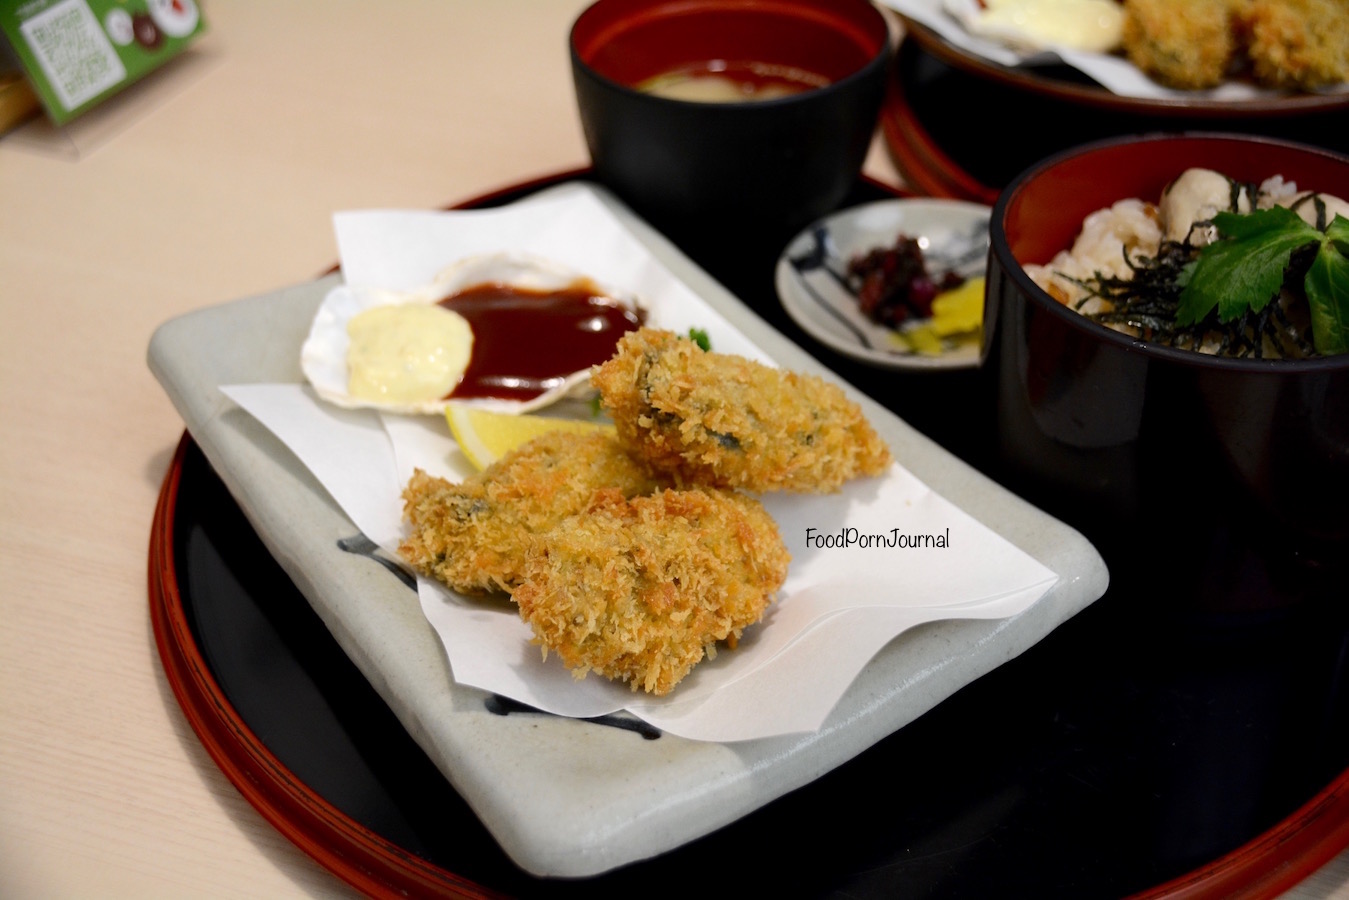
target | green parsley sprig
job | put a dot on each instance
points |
(1245, 270)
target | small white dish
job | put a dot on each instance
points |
(812, 285)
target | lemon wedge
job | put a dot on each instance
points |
(486, 436)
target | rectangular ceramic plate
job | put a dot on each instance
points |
(566, 797)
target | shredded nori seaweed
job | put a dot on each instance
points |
(1147, 301)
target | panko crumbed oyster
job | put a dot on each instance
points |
(711, 418)
(472, 535)
(641, 590)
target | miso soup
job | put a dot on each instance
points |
(719, 81)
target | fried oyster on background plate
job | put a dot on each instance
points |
(1285, 44)
(473, 535)
(1298, 44)
(717, 419)
(1183, 45)
(640, 590)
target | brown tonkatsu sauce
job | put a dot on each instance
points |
(527, 341)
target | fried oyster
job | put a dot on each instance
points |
(473, 535)
(641, 590)
(1182, 45)
(717, 419)
(1298, 44)
(1284, 44)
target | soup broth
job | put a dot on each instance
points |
(719, 81)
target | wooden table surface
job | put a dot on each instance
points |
(213, 180)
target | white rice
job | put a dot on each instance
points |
(1129, 226)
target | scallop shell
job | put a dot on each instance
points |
(323, 357)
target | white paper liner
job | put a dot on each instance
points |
(840, 603)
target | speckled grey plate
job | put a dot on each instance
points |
(811, 274)
(622, 798)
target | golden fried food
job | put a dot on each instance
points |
(641, 590)
(473, 535)
(717, 419)
(1298, 44)
(1182, 45)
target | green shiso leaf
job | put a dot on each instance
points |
(1245, 269)
(1327, 287)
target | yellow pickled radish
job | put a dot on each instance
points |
(956, 313)
(959, 310)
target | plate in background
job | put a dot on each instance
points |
(1063, 82)
(812, 284)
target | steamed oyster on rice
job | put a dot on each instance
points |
(1124, 269)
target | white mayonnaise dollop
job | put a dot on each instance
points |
(1095, 26)
(407, 353)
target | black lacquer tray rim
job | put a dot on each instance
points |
(1264, 866)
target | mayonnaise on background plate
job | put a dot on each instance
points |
(1094, 26)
